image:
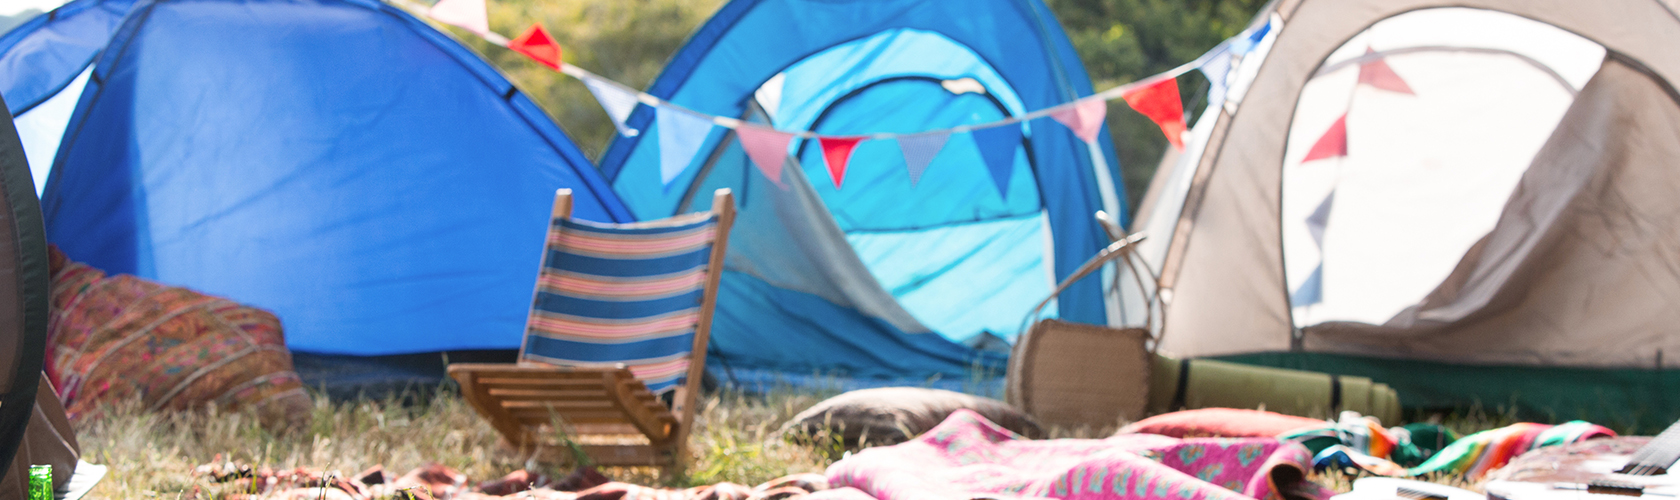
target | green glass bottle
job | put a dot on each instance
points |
(40, 482)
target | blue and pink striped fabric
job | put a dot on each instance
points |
(622, 293)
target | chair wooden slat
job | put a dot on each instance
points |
(546, 394)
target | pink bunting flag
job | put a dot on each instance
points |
(537, 45)
(1376, 73)
(836, 152)
(1085, 117)
(472, 15)
(919, 151)
(1333, 144)
(1161, 103)
(767, 148)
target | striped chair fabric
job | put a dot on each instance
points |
(630, 294)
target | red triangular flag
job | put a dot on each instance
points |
(837, 151)
(767, 148)
(1333, 144)
(537, 45)
(1376, 73)
(1085, 117)
(1161, 103)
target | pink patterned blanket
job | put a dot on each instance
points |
(968, 457)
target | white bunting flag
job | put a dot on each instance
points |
(1218, 70)
(617, 101)
(472, 15)
(680, 136)
(919, 151)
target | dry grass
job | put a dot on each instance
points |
(152, 455)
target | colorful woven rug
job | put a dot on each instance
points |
(117, 338)
(969, 457)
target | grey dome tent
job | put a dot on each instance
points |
(1470, 200)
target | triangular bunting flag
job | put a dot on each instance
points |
(1376, 73)
(1319, 220)
(1246, 42)
(617, 101)
(1311, 291)
(1217, 69)
(680, 136)
(1333, 144)
(919, 151)
(767, 147)
(836, 152)
(1085, 117)
(1160, 102)
(537, 45)
(469, 14)
(997, 148)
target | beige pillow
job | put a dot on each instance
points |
(893, 415)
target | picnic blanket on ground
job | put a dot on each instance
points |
(964, 457)
(969, 457)
(112, 338)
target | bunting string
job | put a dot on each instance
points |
(1155, 96)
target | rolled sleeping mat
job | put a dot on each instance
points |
(1201, 383)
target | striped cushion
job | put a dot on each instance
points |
(630, 294)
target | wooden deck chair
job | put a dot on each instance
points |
(620, 317)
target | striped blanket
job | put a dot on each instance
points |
(118, 338)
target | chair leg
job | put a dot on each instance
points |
(679, 462)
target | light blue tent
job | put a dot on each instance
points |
(372, 182)
(882, 279)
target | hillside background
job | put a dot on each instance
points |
(630, 41)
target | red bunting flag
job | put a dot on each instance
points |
(1376, 73)
(1161, 103)
(1333, 144)
(837, 151)
(537, 45)
(1084, 117)
(767, 148)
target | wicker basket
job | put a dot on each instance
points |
(1077, 375)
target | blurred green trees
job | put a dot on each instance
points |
(630, 41)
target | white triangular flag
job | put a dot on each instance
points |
(469, 14)
(680, 135)
(617, 101)
(1218, 70)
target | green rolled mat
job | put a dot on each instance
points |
(1200, 383)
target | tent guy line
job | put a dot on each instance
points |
(471, 16)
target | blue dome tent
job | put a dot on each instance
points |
(375, 184)
(44, 65)
(881, 279)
